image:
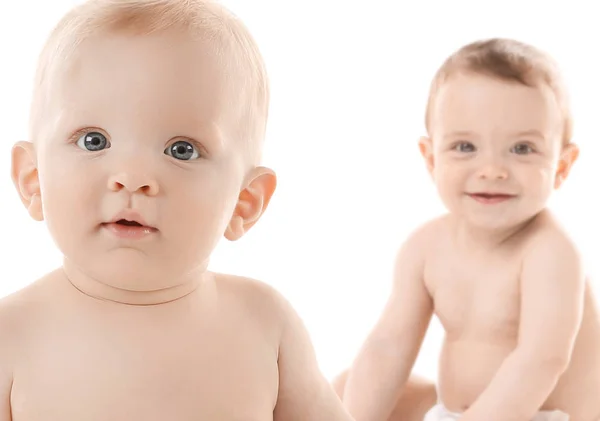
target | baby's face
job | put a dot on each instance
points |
(139, 129)
(496, 148)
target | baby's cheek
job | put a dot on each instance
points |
(449, 177)
(543, 176)
(539, 182)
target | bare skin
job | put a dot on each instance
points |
(477, 299)
(522, 329)
(232, 349)
(415, 399)
(138, 171)
(476, 347)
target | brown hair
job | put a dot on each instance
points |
(508, 60)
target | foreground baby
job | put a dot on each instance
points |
(522, 330)
(147, 124)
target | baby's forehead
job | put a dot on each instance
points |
(169, 48)
(458, 112)
(171, 64)
(476, 94)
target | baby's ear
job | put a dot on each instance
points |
(568, 156)
(252, 202)
(25, 178)
(426, 148)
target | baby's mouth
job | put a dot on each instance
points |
(490, 198)
(132, 225)
(127, 223)
(129, 230)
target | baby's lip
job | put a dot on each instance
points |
(491, 194)
(130, 217)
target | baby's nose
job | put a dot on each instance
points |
(493, 171)
(133, 183)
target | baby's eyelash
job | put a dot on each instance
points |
(197, 144)
(528, 145)
(76, 135)
(457, 146)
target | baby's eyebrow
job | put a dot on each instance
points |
(465, 133)
(531, 133)
(459, 133)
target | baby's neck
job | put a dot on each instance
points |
(476, 238)
(97, 289)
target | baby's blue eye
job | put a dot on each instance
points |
(464, 147)
(522, 149)
(182, 150)
(93, 142)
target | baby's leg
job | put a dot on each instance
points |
(417, 397)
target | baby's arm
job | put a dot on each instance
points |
(5, 369)
(5, 387)
(383, 365)
(304, 393)
(552, 292)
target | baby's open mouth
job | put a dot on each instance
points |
(131, 230)
(128, 223)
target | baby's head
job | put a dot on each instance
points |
(499, 132)
(149, 111)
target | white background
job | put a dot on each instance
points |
(349, 84)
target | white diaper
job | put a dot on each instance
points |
(440, 413)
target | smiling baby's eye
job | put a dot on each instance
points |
(464, 147)
(522, 149)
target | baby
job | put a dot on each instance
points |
(146, 131)
(522, 330)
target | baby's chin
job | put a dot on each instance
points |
(508, 220)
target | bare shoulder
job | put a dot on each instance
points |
(254, 299)
(303, 392)
(426, 238)
(430, 231)
(552, 270)
(259, 301)
(22, 310)
(16, 312)
(422, 247)
(547, 238)
(249, 289)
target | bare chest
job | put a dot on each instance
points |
(218, 373)
(477, 299)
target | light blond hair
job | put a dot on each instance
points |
(509, 60)
(238, 53)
